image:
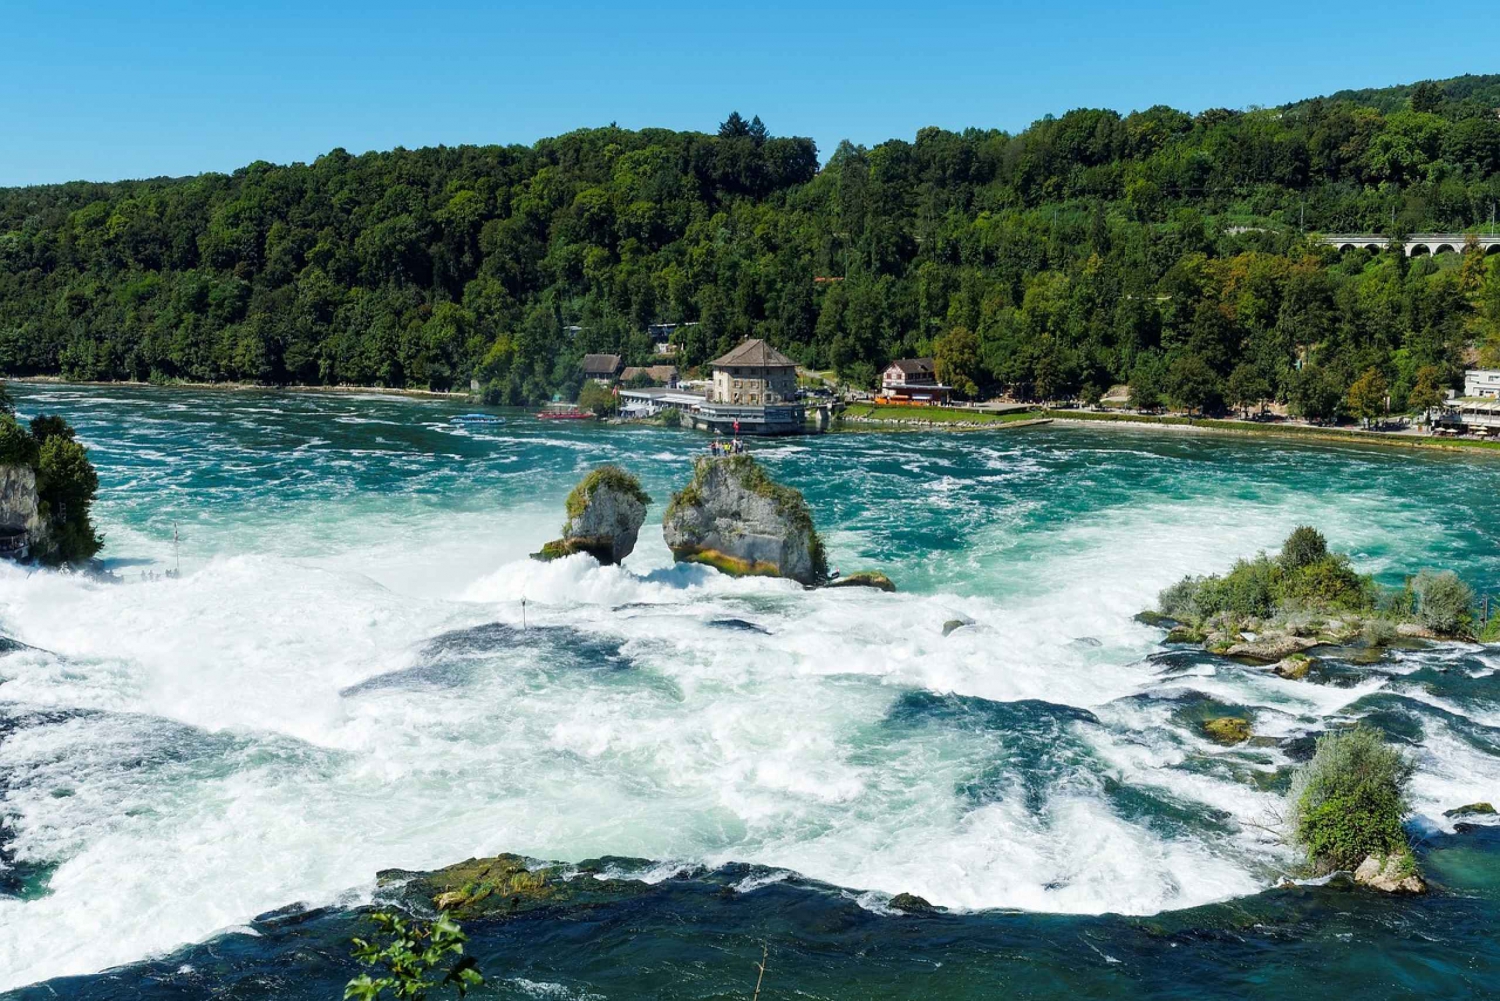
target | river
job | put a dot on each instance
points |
(359, 668)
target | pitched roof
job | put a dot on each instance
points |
(661, 373)
(914, 366)
(754, 353)
(601, 363)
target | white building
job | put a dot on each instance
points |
(1483, 383)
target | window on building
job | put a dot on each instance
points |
(752, 397)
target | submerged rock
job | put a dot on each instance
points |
(1472, 810)
(1157, 619)
(952, 624)
(605, 514)
(734, 517)
(865, 578)
(1228, 730)
(1393, 874)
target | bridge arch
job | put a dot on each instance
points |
(1493, 248)
(1418, 250)
(1443, 247)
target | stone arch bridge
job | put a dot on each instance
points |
(1415, 245)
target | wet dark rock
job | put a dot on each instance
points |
(954, 624)
(910, 903)
(1472, 810)
(507, 885)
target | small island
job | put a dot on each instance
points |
(1273, 608)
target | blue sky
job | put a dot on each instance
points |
(105, 90)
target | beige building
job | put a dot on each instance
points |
(754, 375)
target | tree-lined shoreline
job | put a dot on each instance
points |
(1168, 250)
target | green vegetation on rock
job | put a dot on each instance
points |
(1228, 729)
(610, 476)
(66, 483)
(1349, 801)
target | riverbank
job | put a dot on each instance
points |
(949, 418)
(240, 387)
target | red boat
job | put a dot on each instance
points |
(565, 412)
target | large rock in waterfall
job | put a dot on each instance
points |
(605, 513)
(734, 517)
(21, 508)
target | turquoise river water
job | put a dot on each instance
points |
(359, 668)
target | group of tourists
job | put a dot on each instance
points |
(732, 447)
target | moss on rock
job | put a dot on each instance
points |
(1228, 729)
(864, 578)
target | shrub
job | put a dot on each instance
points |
(1349, 800)
(410, 954)
(1445, 603)
(1329, 584)
(17, 447)
(1306, 545)
(1179, 600)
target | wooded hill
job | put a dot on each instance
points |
(1159, 247)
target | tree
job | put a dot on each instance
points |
(1367, 396)
(1192, 384)
(67, 484)
(1425, 394)
(1146, 385)
(412, 953)
(1304, 547)
(956, 355)
(1248, 387)
(1348, 802)
(602, 400)
(1315, 394)
(1426, 97)
(734, 127)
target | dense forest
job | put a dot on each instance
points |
(1161, 248)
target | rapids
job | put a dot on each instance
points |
(359, 668)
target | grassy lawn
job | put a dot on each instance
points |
(935, 414)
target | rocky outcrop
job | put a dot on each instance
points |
(605, 514)
(20, 506)
(1272, 647)
(1228, 730)
(507, 885)
(1396, 873)
(1472, 810)
(734, 517)
(864, 578)
(1293, 668)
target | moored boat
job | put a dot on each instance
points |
(565, 412)
(476, 419)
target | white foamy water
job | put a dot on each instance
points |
(342, 684)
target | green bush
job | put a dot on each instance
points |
(600, 399)
(17, 447)
(66, 484)
(1305, 546)
(1179, 600)
(1445, 604)
(1328, 585)
(1348, 802)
